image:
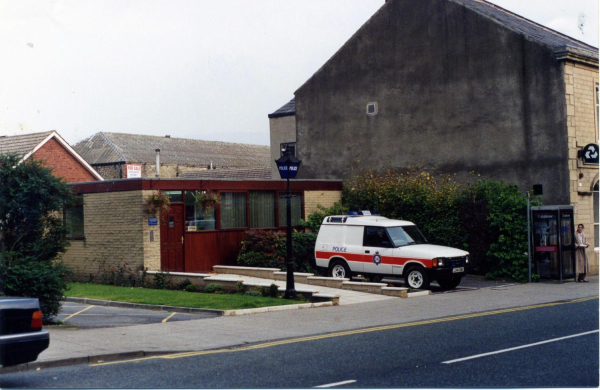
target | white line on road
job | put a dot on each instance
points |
(522, 346)
(336, 384)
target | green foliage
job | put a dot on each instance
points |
(160, 280)
(486, 218)
(506, 233)
(430, 201)
(191, 288)
(314, 221)
(267, 249)
(183, 284)
(32, 232)
(271, 291)
(213, 288)
(119, 275)
(253, 293)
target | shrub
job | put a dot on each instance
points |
(182, 285)
(191, 288)
(486, 218)
(45, 281)
(271, 291)
(253, 293)
(267, 249)
(32, 232)
(161, 280)
(213, 288)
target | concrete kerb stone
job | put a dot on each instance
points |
(83, 360)
(299, 277)
(373, 288)
(257, 272)
(418, 294)
(326, 282)
(401, 292)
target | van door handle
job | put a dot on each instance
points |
(367, 251)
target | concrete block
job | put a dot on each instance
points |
(401, 292)
(257, 272)
(299, 277)
(326, 282)
(419, 294)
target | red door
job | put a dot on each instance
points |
(171, 240)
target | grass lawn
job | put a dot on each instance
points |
(171, 297)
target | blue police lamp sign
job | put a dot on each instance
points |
(288, 171)
(152, 221)
(288, 166)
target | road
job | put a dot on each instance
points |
(548, 345)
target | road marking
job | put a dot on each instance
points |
(519, 347)
(79, 312)
(336, 384)
(350, 332)
(171, 315)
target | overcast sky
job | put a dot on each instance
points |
(198, 69)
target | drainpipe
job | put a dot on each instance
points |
(157, 163)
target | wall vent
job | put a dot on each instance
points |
(372, 109)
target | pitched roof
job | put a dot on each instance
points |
(558, 42)
(286, 110)
(236, 173)
(22, 144)
(102, 148)
(27, 144)
(530, 29)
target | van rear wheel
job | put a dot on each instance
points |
(339, 269)
(416, 278)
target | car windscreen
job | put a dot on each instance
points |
(406, 235)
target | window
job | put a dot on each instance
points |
(296, 206)
(197, 217)
(596, 226)
(377, 237)
(233, 210)
(407, 235)
(262, 209)
(288, 146)
(174, 196)
(73, 218)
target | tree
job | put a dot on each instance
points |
(32, 232)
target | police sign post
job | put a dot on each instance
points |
(288, 166)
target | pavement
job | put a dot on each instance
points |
(72, 346)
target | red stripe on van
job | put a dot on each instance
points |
(368, 258)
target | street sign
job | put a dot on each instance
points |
(589, 154)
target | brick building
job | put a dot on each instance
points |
(55, 153)
(117, 231)
(455, 86)
(122, 156)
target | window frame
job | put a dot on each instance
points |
(78, 205)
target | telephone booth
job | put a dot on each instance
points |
(553, 242)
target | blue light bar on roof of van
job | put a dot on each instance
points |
(354, 213)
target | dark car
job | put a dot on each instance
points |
(21, 335)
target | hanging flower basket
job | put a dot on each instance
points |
(158, 202)
(207, 200)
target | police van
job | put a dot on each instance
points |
(377, 246)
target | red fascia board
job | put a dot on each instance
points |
(216, 185)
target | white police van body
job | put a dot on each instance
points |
(378, 246)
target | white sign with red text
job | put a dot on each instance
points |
(134, 171)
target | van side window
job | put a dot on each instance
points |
(377, 237)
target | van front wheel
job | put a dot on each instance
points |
(416, 278)
(339, 269)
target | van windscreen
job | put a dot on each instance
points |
(406, 235)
